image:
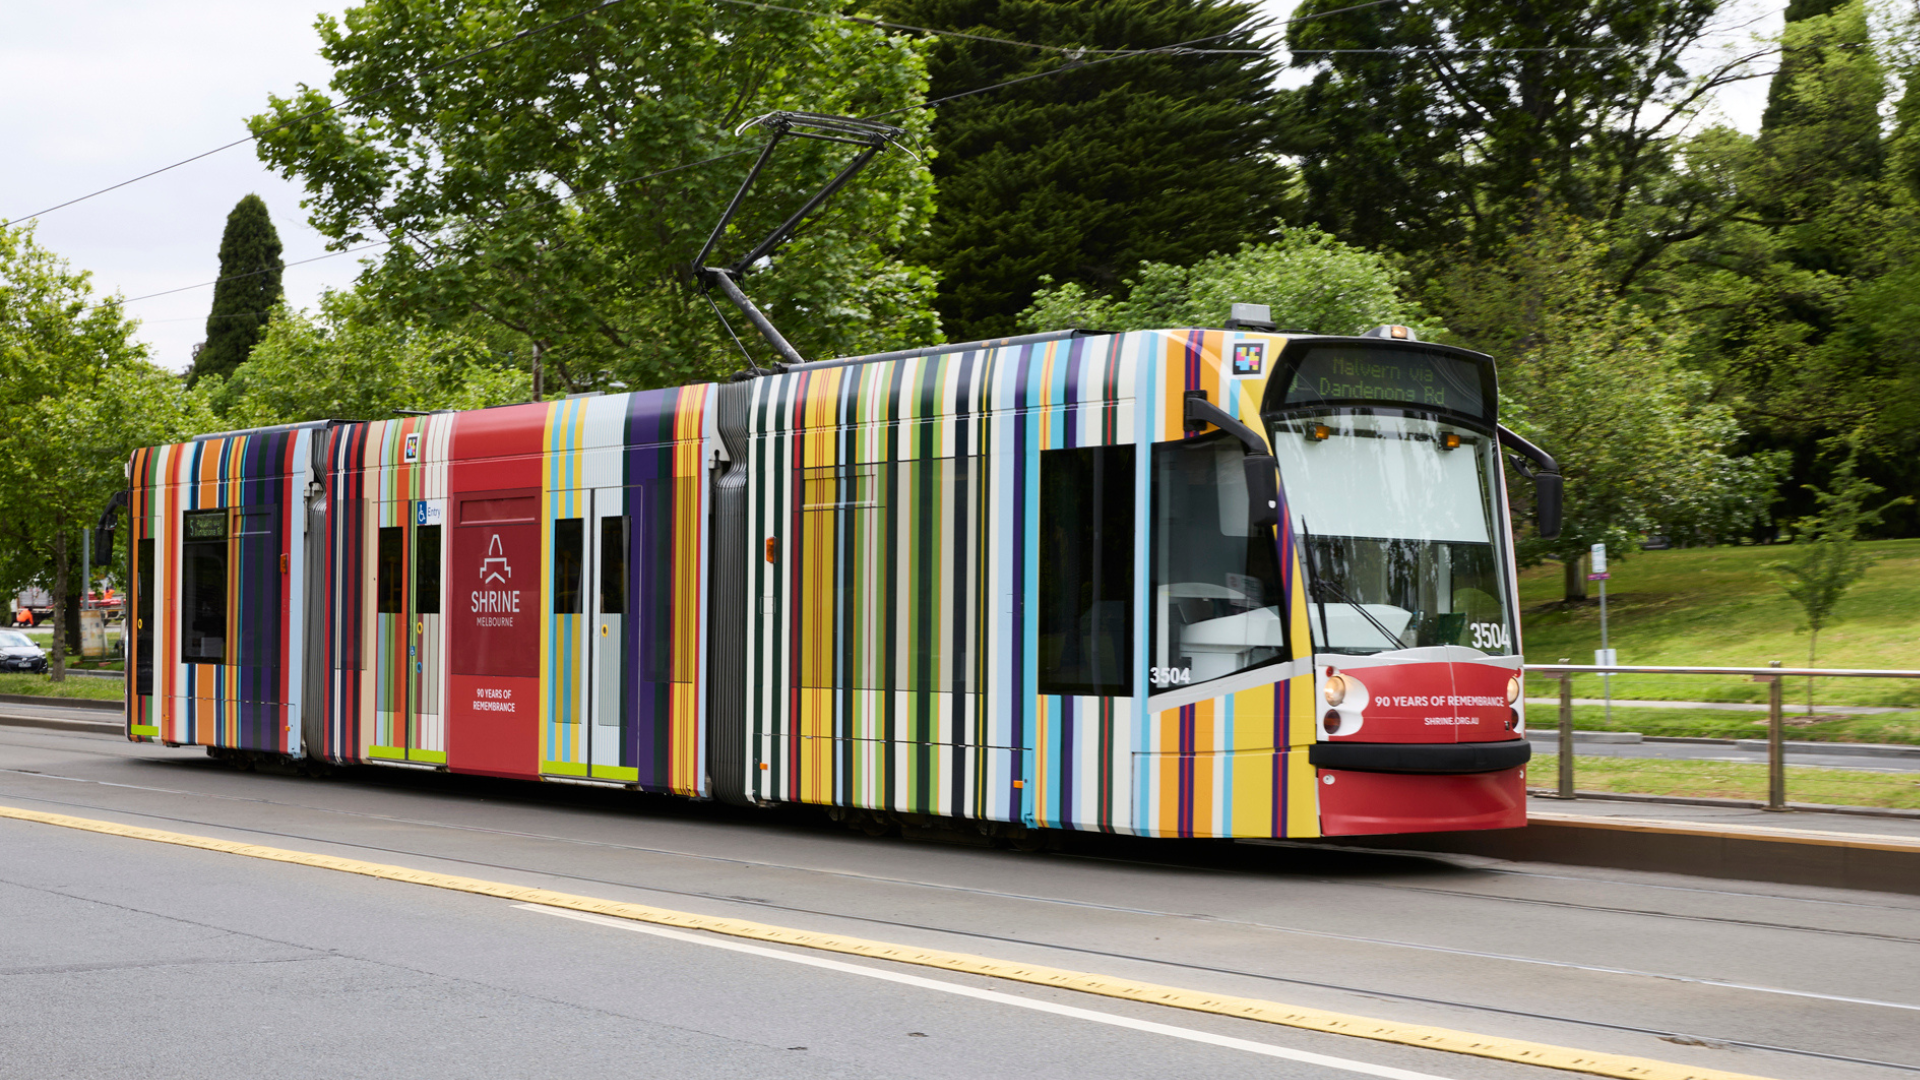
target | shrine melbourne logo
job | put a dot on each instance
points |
(495, 606)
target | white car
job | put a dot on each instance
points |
(19, 653)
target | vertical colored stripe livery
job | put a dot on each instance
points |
(892, 636)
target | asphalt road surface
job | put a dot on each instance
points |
(125, 957)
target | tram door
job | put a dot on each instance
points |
(409, 582)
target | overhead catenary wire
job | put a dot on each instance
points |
(1073, 50)
(1176, 49)
(1069, 67)
(390, 241)
(333, 107)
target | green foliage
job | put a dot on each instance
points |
(1599, 385)
(1450, 121)
(1310, 280)
(531, 185)
(78, 396)
(1827, 559)
(1081, 177)
(347, 364)
(247, 292)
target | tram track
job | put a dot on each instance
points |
(1463, 894)
(1682, 1037)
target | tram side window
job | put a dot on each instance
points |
(143, 619)
(203, 587)
(613, 565)
(568, 554)
(1086, 571)
(390, 590)
(426, 570)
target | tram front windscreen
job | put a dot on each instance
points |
(1401, 524)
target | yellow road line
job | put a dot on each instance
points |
(1620, 1066)
(1816, 837)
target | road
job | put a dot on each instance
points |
(123, 956)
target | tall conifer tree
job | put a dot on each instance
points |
(1083, 175)
(248, 288)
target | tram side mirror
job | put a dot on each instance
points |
(1547, 493)
(1263, 491)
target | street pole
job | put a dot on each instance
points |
(1776, 749)
(1605, 658)
(1566, 734)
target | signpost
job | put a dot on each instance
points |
(1603, 656)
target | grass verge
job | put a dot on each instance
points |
(1901, 727)
(79, 687)
(1723, 607)
(1731, 780)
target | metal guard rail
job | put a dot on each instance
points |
(1771, 674)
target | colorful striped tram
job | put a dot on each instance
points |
(1032, 583)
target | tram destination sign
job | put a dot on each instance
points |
(1405, 378)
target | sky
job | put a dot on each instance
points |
(101, 91)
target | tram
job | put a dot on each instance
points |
(1173, 583)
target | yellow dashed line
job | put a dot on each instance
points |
(1432, 1038)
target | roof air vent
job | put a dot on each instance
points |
(1251, 317)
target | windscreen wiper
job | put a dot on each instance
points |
(1341, 594)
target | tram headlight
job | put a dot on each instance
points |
(1513, 689)
(1336, 689)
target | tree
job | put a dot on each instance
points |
(1451, 122)
(346, 363)
(1590, 378)
(1308, 279)
(1800, 302)
(246, 293)
(79, 396)
(1827, 561)
(1082, 176)
(559, 185)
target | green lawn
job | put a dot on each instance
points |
(1722, 607)
(1729, 780)
(80, 686)
(1900, 727)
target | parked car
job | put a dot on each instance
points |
(19, 653)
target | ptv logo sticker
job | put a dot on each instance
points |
(1249, 357)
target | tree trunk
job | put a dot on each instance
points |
(1576, 578)
(73, 604)
(60, 607)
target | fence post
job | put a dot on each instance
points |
(1566, 734)
(1776, 748)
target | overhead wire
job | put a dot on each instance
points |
(1072, 50)
(462, 58)
(390, 241)
(1107, 56)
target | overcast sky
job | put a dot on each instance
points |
(100, 91)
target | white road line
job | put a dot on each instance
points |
(713, 941)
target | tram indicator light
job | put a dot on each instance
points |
(1336, 689)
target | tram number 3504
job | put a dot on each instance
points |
(1491, 635)
(1171, 676)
